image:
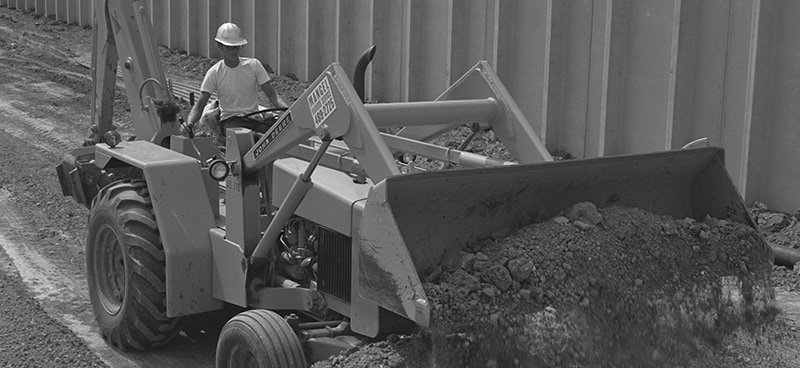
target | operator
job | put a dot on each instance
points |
(236, 81)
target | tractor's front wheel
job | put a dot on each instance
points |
(125, 266)
(259, 338)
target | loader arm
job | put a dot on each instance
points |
(122, 32)
(511, 127)
(331, 107)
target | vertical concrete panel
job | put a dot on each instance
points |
(702, 63)
(739, 89)
(243, 14)
(773, 173)
(50, 8)
(31, 4)
(267, 30)
(429, 59)
(645, 33)
(178, 24)
(764, 116)
(739, 83)
(62, 11)
(323, 35)
(391, 27)
(294, 38)
(474, 35)
(198, 15)
(86, 13)
(73, 13)
(569, 77)
(599, 65)
(524, 56)
(40, 7)
(160, 17)
(355, 36)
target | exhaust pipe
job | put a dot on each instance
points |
(361, 70)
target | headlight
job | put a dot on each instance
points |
(112, 138)
(219, 170)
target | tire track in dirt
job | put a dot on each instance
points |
(60, 295)
(55, 142)
(60, 289)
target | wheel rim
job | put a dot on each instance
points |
(109, 268)
(241, 357)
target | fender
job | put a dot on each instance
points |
(175, 182)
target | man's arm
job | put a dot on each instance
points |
(273, 96)
(194, 114)
(197, 109)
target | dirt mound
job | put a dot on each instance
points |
(616, 286)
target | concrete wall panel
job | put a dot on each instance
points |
(294, 31)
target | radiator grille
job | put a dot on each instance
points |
(335, 262)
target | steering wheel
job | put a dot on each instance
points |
(255, 124)
(248, 115)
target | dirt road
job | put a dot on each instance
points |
(45, 315)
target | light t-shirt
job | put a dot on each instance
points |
(236, 88)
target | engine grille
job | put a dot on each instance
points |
(335, 263)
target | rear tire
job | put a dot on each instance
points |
(259, 339)
(125, 266)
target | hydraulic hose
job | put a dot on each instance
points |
(784, 256)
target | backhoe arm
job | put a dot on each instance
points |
(122, 31)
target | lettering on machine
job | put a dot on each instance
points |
(273, 133)
(321, 102)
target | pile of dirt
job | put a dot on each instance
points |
(610, 287)
(781, 229)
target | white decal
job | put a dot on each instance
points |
(321, 102)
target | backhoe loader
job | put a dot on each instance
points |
(177, 228)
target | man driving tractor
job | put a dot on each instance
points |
(236, 81)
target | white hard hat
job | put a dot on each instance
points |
(229, 34)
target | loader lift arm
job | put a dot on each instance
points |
(332, 107)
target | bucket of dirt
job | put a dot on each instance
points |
(638, 260)
(616, 286)
(609, 287)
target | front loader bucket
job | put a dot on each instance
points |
(414, 223)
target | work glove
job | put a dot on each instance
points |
(186, 128)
